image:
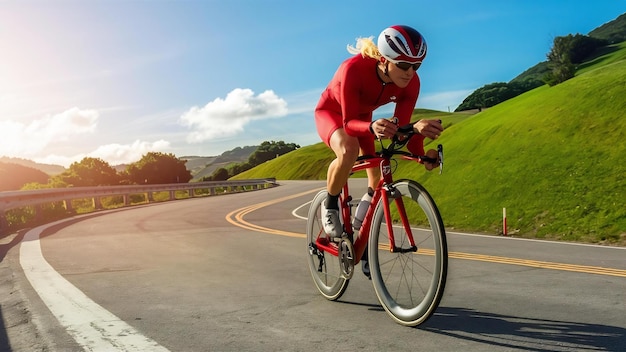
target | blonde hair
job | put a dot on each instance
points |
(365, 47)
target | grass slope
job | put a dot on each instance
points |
(553, 157)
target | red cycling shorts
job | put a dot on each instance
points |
(328, 122)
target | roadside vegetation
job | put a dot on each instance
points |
(152, 168)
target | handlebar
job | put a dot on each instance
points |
(401, 138)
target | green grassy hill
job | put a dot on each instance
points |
(554, 157)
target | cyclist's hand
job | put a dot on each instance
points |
(384, 128)
(431, 153)
(428, 128)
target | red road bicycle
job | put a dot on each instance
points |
(402, 232)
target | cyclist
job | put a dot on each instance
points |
(376, 75)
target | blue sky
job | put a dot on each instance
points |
(117, 79)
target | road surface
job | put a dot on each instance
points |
(229, 273)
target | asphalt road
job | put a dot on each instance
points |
(229, 273)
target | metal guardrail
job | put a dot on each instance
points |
(17, 199)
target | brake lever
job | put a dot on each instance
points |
(440, 153)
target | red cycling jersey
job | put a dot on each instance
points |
(354, 93)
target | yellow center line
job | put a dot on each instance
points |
(236, 217)
(540, 264)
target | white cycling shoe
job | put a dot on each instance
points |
(331, 222)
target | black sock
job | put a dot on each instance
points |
(332, 202)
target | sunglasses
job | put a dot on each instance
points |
(405, 66)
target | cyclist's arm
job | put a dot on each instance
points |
(354, 123)
(428, 128)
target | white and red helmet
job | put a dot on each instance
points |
(402, 44)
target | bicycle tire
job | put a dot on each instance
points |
(325, 267)
(409, 285)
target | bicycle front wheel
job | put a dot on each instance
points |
(409, 282)
(325, 267)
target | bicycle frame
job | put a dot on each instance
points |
(380, 193)
(383, 161)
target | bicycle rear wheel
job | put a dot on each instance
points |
(409, 284)
(325, 267)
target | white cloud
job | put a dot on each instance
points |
(229, 116)
(31, 138)
(113, 154)
(116, 154)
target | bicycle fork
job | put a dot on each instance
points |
(393, 195)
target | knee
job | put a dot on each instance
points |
(350, 150)
(345, 147)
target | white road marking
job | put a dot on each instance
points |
(92, 326)
(295, 214)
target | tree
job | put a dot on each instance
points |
(270, 150)
(158, 168)
(567, 52)
(239, 168)
(582, 47)
(88, 172)
(220, 174)
(561, 71)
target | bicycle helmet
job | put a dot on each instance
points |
(402, 44)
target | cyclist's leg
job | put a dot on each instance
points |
(373, 177)
(346, 149)
(330, 128)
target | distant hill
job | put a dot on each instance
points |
(199, 166)
(535, 73)
(47, 168)
(196, 164)
(614, 31)
(203, 166)
(14, 176)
